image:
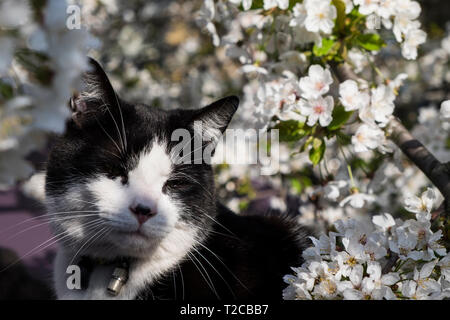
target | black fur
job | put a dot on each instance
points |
(245, 257)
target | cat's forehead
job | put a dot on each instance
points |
(152, 163)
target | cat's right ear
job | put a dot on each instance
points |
(95, 96)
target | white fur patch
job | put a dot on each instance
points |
(162, 240)
(145, 183)
(143, 272)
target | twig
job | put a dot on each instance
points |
(390, 263)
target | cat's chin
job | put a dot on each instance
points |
(135, 243)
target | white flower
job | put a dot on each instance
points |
(320, 279)
(317, 277)
(426, 240)
(358, 59)
(300, 14)
(348, 6)
(421, 206)
(384, 221)
(350, 259)
(404, 245)
(317, 83)
(325, 245)
(246, 4)
(321, 14)
(367, 138)
(398, 81)
(204, 20)
(413, 39)
(296, 289)
(350, 96)
(332, 189)
(357, 200)
(291, 112)
(319, 109)
(386, 8)
(445, 110)
(444, 263)
(402, 24)
(422, 287)
(367, 7)
(378, 285)
(282, 4)
(408, 8)
(251, 68)
(382, 104)
(374, 247)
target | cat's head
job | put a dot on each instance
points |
(116, 183)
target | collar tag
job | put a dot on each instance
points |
(118, 278)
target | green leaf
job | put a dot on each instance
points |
(340, 117)
(317, 151)
(340, 19)
(6, 90)
(297, 185)
(370, 41)
(327, 45)
(343, 138)
(307, 143)
(256, 4)
(291, 130)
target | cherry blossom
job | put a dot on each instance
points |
(320, 15)
(367, 138)
(350, 96)
(317, 83)
(319, 109)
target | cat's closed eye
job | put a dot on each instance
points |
(118, 174)
(176, 184)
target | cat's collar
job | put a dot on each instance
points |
(119, 275)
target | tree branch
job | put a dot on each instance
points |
(437, 172)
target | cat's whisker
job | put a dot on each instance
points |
(47, 243)
(80, 200)
(215, 221)
(113, 141)
(123, 123)
(174, 284)
(195, 181)
(41, 216)
(173, 156)
(48, 221)
(73, 242)
(182, 279)
(207, 278)
(214, 268)
(115, 123)
(223, 263)
(182, 159)
(95, 236)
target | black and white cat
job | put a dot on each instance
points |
(123, 197)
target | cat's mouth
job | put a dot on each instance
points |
(136, 234)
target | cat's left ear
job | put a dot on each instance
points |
(212, 120)
(96, 95)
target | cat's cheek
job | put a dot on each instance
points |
(109, 195)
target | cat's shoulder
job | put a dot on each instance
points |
(269, 230)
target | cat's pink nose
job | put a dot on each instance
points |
(142, 212)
